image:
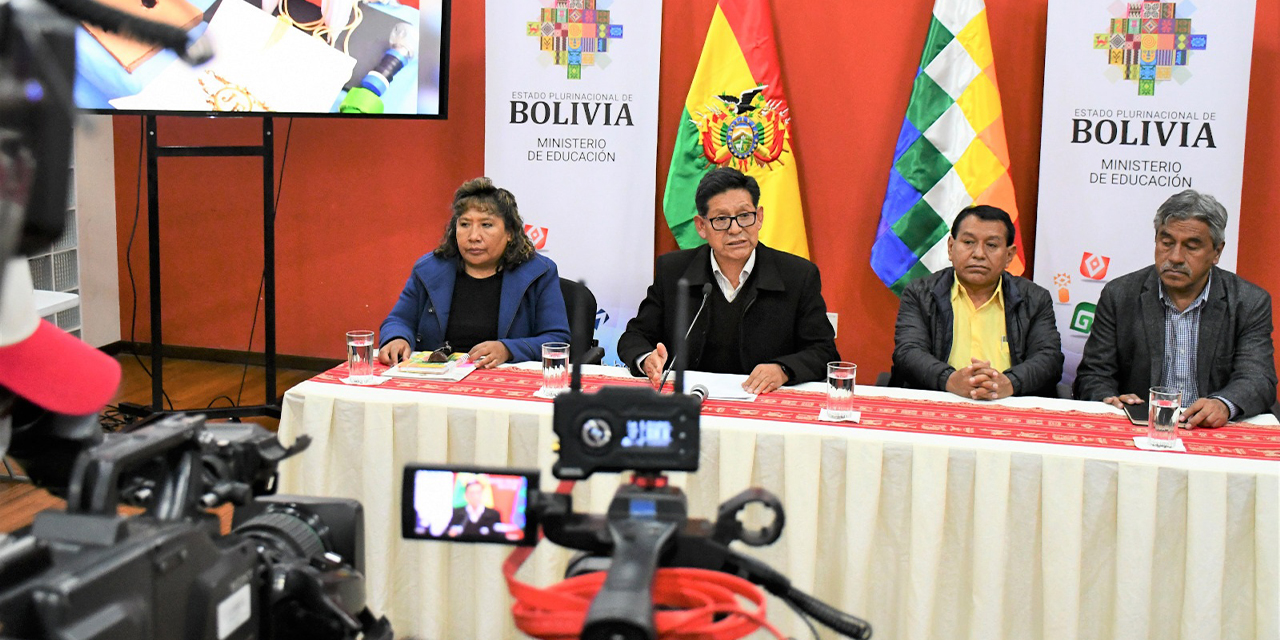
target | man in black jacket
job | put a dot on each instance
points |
(474, 521)
(1183, 323)
(763, 315)
(973, 329)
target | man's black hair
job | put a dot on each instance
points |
(988, 213)
(720, 180)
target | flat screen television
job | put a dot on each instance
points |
(346, 58)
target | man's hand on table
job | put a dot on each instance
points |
(992, 384)
(979, 382)
(1120, 401)
(394, 352)
(653, 364)
(764, 379)
(1206, 412)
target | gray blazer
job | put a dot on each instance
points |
(1234, 357)
(922, 336)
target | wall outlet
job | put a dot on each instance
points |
(834, 319)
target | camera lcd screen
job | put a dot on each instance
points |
(647, 434)
(469, 504)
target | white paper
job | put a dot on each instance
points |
(369, 381)
(720, 386)
(1144, 443)
(458, 372)
(854, 416)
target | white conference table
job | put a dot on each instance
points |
(924, 535)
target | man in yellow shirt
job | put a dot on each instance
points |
(973, 329)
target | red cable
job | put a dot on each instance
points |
(687, 602)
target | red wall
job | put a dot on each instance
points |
(361, 200)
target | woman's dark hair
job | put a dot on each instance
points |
(480, 194)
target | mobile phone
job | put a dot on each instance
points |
(469, 504)
(1137, 413)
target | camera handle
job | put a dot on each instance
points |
(638, 531)
(181, 479)
(94, 489)
(623, 608)
(696, 544)
(642, 521)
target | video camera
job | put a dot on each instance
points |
(647, 524)
(290, 568)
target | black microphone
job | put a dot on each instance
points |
(701, 391)
(706, 293)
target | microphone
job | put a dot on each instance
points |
(706, 293)
(701, 391)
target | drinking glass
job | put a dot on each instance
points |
(841, 382)
(360, 356)
(1164, 407)
(555, 367)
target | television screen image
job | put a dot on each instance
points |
(468, 506)
(287, 57)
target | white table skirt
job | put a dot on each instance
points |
(925, 536)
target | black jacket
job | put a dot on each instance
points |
(480, 529)
(784, 320)
(922, 336)
(1234, 355)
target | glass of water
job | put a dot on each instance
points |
(360, 356)
(1163, 410)
(555, 367)
(841, 382)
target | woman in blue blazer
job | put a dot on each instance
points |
(484, 290)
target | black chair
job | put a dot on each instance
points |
(582, 340)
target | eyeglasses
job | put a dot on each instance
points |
(722, 223)
(442, 354)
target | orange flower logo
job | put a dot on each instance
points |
(1061, 281)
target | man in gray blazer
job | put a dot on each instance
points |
(1183, 323)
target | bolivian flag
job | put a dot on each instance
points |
(736, 116)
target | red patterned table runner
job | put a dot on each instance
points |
(1260, 442)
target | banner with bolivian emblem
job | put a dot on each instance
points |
(1142, 99)
(571, 127)
(736, 115)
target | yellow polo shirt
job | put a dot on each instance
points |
(978, 333)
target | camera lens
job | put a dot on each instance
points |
(285, 532)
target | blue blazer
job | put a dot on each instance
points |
(530, 312)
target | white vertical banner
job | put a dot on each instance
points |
(571, 126)
(1141, 100)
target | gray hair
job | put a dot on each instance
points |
(1193, 205)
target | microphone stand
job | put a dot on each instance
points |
(706, 293)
